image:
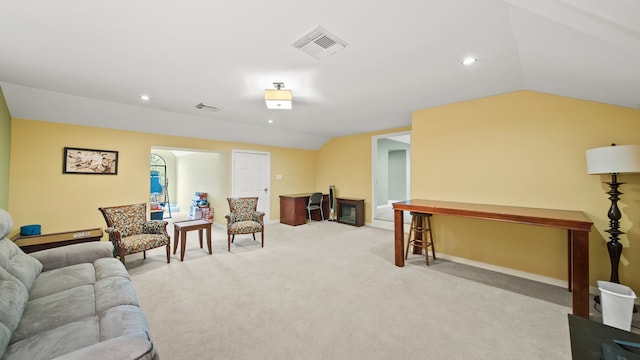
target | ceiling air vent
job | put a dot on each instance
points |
(320, 43)
(209, 107)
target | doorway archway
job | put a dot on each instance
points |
(391, 173)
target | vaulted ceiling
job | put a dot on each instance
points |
(87, 62)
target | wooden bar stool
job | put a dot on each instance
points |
(420, 228)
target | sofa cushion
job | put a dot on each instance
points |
(24, 267)
(108, 267)
(134, 346)
(55, 310)
(140, 242)
(122, 320)
(12, 304)
(114, 291)
(74, 254)
(51, 282)
(5, 336)
(244, 227)
(56, 342)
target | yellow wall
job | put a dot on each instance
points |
(525, 149)
(41, 194)
(5, 149)
(522, 149)
(346, 163)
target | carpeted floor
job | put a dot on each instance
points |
(331, 291)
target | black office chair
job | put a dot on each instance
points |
(315, 203)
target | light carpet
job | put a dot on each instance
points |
(331, 291)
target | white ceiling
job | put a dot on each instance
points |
(86, 62)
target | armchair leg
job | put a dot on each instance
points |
(168, 253)
(228, 242)
(144, 254)
(262, 233)
(122, 257)
(254, 236)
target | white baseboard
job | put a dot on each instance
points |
(386, 225)
(219, 226)
(504, 270)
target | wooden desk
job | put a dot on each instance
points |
(180, 229)
(576, 223)
(293, 208)
(47, 241)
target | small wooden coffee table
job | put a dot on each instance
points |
(180, 229)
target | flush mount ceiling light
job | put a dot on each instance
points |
(469, 60)
(278, 99)
(144, 97)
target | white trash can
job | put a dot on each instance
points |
(617, 304)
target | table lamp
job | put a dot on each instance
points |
(614, 160)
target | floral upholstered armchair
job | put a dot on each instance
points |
(244, 218)
(131, 232)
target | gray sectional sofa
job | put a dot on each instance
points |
(71, 302)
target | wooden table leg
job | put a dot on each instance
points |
(209, 238)
(183, 243)
(570, 261)
(398, 232)
(200, 237)
(176, 237)
(580, 272)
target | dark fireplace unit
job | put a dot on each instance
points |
(350, 211)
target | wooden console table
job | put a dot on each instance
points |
(47, 241)
(293, 208)
(576, 223)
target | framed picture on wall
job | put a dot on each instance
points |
(90, 161)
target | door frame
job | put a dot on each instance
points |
(374, 170)
(267, 204)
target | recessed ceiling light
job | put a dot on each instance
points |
(145, 97)
(469, 60)
(270, 121)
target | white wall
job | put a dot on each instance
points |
(204, 172)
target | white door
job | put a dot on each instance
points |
(251, 176)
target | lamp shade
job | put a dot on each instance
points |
(278, 99)
(614, 159)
